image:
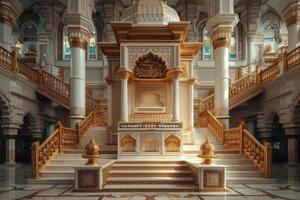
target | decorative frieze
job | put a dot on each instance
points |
(150, 125)
(124, 73)
(165, 52)
(221, 42)
(175, 73)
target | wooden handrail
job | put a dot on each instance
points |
(269, 73)
(61, 138)
(240, 139)
(292, 59)
(47, 83)
(206, 118)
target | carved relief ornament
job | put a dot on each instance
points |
(124, 73)
(175, 73)
(150, 66)
(291, 14)
(221, 42)
(9, 11)
(78, 37)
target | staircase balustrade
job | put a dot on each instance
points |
(240, 139)
(207, 119)
(292, 59)
(270, 73)
(61, 138)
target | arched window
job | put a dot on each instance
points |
(233, 52)
(66, 45)
(93, 47)
(270, 38)
(207, 48)
(30, 38)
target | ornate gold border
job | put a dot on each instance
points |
(78, 42)
(7, 20)
(292, 20)
(124, 73)
(221, 42)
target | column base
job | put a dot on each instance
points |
(10, 164)
(224, 120)
(74, 119)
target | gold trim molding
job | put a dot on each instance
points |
(221, 42)
(174, 73)
(124, 73)
(78, 42)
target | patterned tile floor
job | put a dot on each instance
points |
(13, 186)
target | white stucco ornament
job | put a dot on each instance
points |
(150, 12)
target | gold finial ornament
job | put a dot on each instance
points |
(208, 152)
(92, 153)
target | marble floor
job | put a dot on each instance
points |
(13, 186)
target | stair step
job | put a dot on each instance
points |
(152, 187)
(244, 174)
(248, 180)
(141, 171)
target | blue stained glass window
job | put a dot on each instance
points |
(93, 48)
(233, 47)
(206, 45)
(66, 46)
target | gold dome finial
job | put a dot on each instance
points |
(208, 152)
(92, 153)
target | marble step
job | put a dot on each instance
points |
(249, 180)
(150, 180)
(57, 174)
(152, 187)
(244, 174)
(55, 180)
(233, 161)
(79, 156)
(241, 167)
(149, 167)
(141, 171)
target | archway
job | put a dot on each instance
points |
(278, 141)
(24, 140)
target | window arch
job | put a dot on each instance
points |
(66, 49)
(29, 39)
(270, 40)
(233, 49)
(66, 45)
(207, 45)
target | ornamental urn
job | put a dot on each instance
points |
(207, 152)
(92, 153)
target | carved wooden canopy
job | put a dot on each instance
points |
(150, 66)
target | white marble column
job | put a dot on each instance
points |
(10, 132)
(77, 81)
(124, 75)
(220, 28)
(176, 99)
(291, 15)
(9, 11)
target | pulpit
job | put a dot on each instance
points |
(151, 88)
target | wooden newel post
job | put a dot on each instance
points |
(242, 127)
(59, 127)
(35, 149)
(268, 160)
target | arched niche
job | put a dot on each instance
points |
(128, 143)
(172, 143)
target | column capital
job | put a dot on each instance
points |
(10, 129)
(290, 10)
(174, 73)
(124, 73)
(9, 11)
(220, 28)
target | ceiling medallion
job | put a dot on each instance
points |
(150, 66)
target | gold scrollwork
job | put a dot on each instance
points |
(172, 143)
(221, 42)
(150, 66)
(128, 143)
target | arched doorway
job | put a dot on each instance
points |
(24, 140)
(278, 141)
